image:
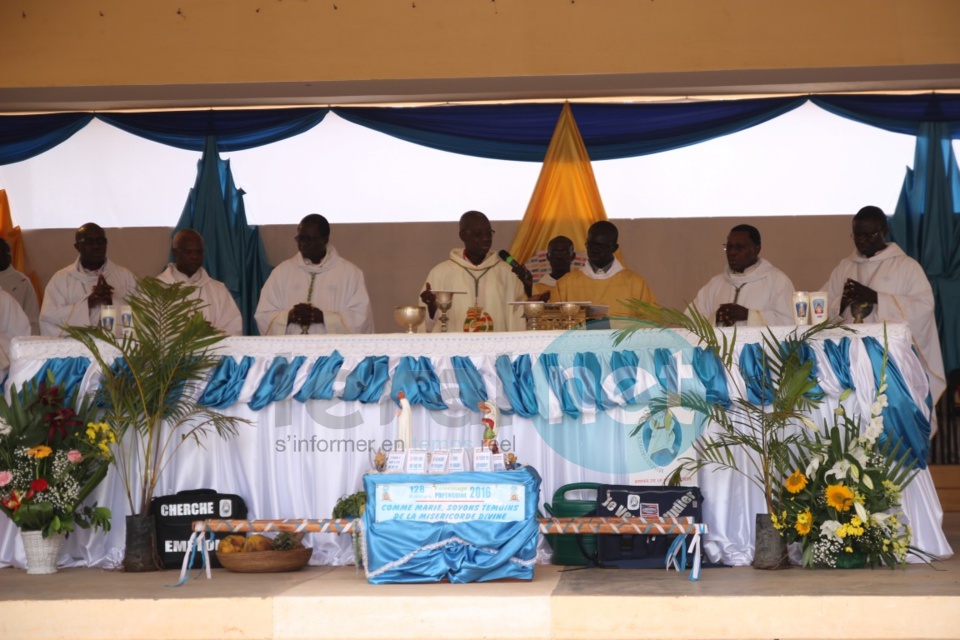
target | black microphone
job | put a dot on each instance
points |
(518, 270)
(506, 257)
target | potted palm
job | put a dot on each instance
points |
(766, 429)
(148, 391)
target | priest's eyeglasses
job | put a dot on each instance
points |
(95, 242)
(865, 236)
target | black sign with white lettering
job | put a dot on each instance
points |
(174, 514)
(627, 501)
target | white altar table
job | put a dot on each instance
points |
(321, 406)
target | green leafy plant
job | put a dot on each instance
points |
(52, 457)
(351, 506)
(150, 383)
(768, 430)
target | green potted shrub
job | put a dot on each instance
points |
(148, 394)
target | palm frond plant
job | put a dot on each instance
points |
(150, 382)
(766, 430)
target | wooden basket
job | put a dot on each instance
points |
(265, 561)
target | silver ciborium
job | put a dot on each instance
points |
(410, 317)
(533, 309)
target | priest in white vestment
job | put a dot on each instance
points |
(76, 293)
(880, 283)
(316, 291)
(20, 287)
(219, 307)
(750, 291)
(13, 323)
(487, 283)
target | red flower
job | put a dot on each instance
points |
(38, 485)
(51, 396)
(58, 422)
(13, 502)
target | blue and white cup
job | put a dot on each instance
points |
(801, 307)
(108, 317)
(818, 307)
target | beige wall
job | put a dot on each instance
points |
(206, 52)
(677, 256)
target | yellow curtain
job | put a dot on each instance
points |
(14, 238)
(566, 200)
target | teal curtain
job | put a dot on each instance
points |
(233, 250)
(926, 225)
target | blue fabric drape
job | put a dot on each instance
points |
(898, 114)
(524, 131)
(709, 369)
(926, 225)
(233, 250)
(23, 137)
(419, 383)
(903, 422)
(319, 382)
(226, 382)
(472, 389)
(590, 371)
(68, 372)
(561, 386)
(234, 130)
(755, 376)
(623, 365)
(277, 384)
(365, 383)
(517, 380)
(508, 132)
(838, 354)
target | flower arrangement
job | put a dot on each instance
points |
(841, 502)
(52, 456)
(751, 437)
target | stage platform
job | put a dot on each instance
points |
(337, 602)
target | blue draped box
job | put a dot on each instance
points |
(423, 543)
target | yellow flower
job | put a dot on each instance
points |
(39, 452)
(848, 549)
(839, 497)
(796, 482)
(804, 522)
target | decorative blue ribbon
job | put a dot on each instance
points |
(68, 372)
(903, 421)
(277, 383)
(366, 382)
(472, 389)
(710, 371)
(755, 378)
(518, 384)
(561, 386)
(838, 355)
(319, 382)
(419, 383)
(226, 382)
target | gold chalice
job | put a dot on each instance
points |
(533, 309)
(410, 317)
(568, 311)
